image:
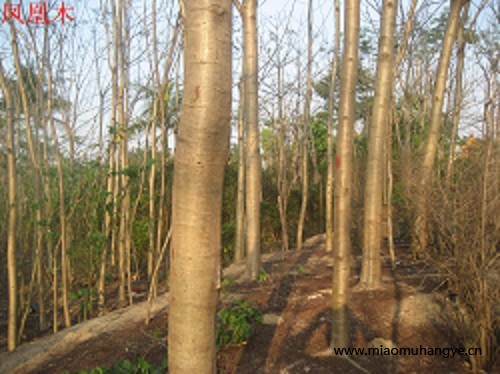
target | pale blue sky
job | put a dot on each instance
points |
(287, 18)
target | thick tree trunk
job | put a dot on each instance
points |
(201, 155)
(343, 180)
(11, 231)
(374, 187)
(330, 153)
(420, 237)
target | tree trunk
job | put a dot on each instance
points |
(42, 191)
(62, 207)
(457, 102)
(331, 94)
(389, 190)
(283, 184)
(305, 131)
(157, 101)
(163, 221)
(112, 177)
(152, 178)
(24, 99)
(252, 157)
(419, 240)
(11, 233)
(239, 247)
(126, 105)
(372, 225)
(163, 201)
(124, 234)
(343, 180)
(29, 136)
(201, 155)
(44, 232)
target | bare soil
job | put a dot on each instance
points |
(295, 299)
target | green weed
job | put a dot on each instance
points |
(227, 283)
(235, 323)
(141, 366)
(263, 276)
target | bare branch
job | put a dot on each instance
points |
(238, 6)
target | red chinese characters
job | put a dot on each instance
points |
(38, 13)
(12, 12)
(63, 13)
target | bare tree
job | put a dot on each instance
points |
(201, 155)
(305, 129)
(282, 126)
(11, 231)
(23, 87)
(60, 178)
(372, 225)
(239, 245)
(343, 180)
(457, 101)
(157, 101)
(248, 12)
(159, 116)
(419, 240)
(331, 161)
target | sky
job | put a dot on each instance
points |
(284, 18)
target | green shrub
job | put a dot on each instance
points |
(235, 323)
(127, 367)
(227, 283)
(85, 296)
(262, 277)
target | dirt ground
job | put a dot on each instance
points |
(295, 300)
